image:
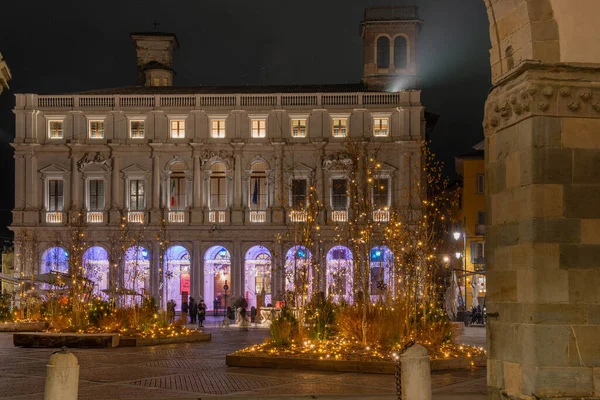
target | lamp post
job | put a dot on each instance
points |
(225, 288)
(457, 236)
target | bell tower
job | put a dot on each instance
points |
(390, 47)
(154, 57)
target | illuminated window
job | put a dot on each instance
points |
(96, 129)
(178, 192)
(339, 127)
(380, 193)
(55, 195)
(259, 128)
(299, 193)
(156, 82)
(380, 126)
(177, 128)
(299, 127)
(55, 129)
(136, 129)
(218, 128)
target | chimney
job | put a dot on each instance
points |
(154, 57)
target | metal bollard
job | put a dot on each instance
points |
(416, 374)
(62, 376)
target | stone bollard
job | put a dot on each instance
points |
(62, 376)
(416, 374)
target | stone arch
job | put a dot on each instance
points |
(217, 271)
(258, 268)
(401, 51)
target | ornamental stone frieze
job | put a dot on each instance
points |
(340, 159)
(207, 157)
(537, 93)
(97, 158)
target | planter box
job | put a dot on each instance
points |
(23, 326)
(138, 342)
(71, 340)
(371, 367)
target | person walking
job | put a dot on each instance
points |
(184, 311)
(201, 313)
(193, 310)
(171, 311)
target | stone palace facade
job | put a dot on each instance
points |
(228, 168)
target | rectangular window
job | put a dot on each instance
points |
(96, 129)
(218, 128)
(258, 192)
(136, 195)
(56, 129)
(299, 128)
(136, 129)
(218, 192)
(477, 253)
(480, 217)
(55, 195)
(380, 126)
(177, 129)
(298, 193)
(178, 193)
(259, 128)
(380, 193)
(480, 183)
(339, 197)
(340, 127)
(96, 193)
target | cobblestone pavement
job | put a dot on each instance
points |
(198, 371)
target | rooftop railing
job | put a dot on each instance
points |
(199, 101)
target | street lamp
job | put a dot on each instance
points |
(458, 254)
(446, 259)
(457, 236)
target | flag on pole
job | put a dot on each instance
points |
(173, 187)
(255, 194)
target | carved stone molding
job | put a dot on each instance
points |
(97, 158)
(339, 159)
(565, 93)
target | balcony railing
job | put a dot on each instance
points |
(298, 216)
(55, 217)
(135, 217)
(176, 217)
(216, 217)
(248, 100)
(339, 216)
(258, 217)
(95, 217)
(381, 215)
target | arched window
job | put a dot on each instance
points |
(218, 186)
(178, 187)
(510, 61)
(400, 52)
(259, 191)
(383, 52)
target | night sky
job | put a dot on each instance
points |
(59, 47)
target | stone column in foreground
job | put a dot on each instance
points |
(542, 148)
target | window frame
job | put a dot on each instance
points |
(221, 178)
(53, 120)
(49, 205)
(181, 127)
(181, 195)
(299, 117)
(388, 192)
(218, 119)
(333, 195)
(393, 47)
(131, 121)
(480, 184)
(89, 194)
(259, 119)
(130, 195)
(293, 196)
(340, 117)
